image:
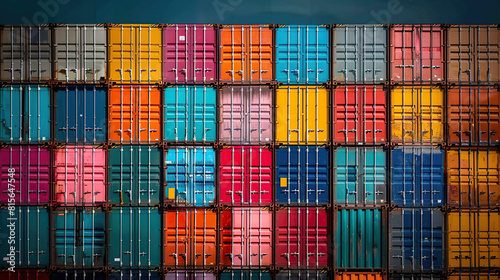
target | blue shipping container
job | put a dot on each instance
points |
(79, 275)
(245, 275)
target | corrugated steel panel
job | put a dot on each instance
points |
(359, 53)
(417, 178)
(246, 175)
(78, 275)
(190, 238)
(134, 237)
(25, 114)
(302, 114)
(416, 240)
(190, 113)
(190, 176)
(473, 54)
(302, 238)
(25, 53)
(408, 276)
(302, 54)
(360, 174)
(474, 276)
(360, 238)
(134, 53)
(303, 275)
(134, 175)
(246, 115)
(246, 237)
(245, 275)
(358, 276)
(190, 53)
(246, 54)
(417, 53)
(23, 274)
(32, 174)
(473, 239)
(302, 175)
(80, 53)
(80, 114)
(135, 275)
(473, 178)
(80, 176)
(190, 275)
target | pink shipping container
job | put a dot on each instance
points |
(302, 238)
(80, 176)
(246, 237)
(189, 53)
(246, 174)
(31, 166)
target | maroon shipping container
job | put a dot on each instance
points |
(302, 238)
(24, 274)
(31, 172)
(189, 53)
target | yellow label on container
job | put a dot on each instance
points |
(283, 182)
(171, 193)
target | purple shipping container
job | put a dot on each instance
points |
(31, 174)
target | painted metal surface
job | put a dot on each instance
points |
(246, 53)
(473, 177)
(302, 238)
(409, 276)
(246, 175)
(302, 115)
(190, 176)
(134, 238)
(358, 276)
(190, 114)
(190, 238)
(302, 54)
(246, 115)
(78, 275)
(302, 175)
(359, 53)
(134, 114)
(360, 174)
(416, 240)
(302, 275)
(246, 237)
(23, 274)
(417, 115)
(134, 176)
(189, 53)
(474, 276)
(25, 53)
(80, 53)
(417, 178)
(25, 114)
(135, 274)
(245, 275)
(190, 275)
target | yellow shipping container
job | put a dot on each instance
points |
(135, 53)
(474, 276)
(302, 115)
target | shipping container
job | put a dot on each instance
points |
(246, 237)
(473, 177)
(246, 54)
(24, 274)
(417, 53)
(25, 114)
(360, 238)
(246, 176)
(78, 275)
(134, 175)
(417, 176)
(420, 276)
(28, 237)
(246, 115)
(473, 239)
(474, 276)
(302, 238)
(309, 185)
(190, 54)
(190, 275)
(190, 114)
(360, 174)
(80, 53)
(80, 114)
(190, 239)
(78, 238)
(302, 115)
(416, 240)
(417, 115)
(473, 116)
(359, 276)
(136, 274)
(359, 53)
(134, 114)
(303, 275)
(473, 54)
(31, 172)
(359, 115)
(25, 53)
(245, 275)
(134, 53)
(134, 238)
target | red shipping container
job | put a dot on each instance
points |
(24, 274)
(246, 176)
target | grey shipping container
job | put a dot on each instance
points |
(79, 275)
(190, 275)
(304, 275)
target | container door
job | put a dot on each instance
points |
(488, 239)
(315, 54)
(288, 175)
(203, 227)
(121, 168)
(36, 173)
(461, 115)
(314, 176)
(121, 53)
(315, 238)
(260, 54)
(488, 116)
(204, 54)
(11, 114)
(373, 115)
(203, 170)
(259, 115)
(233, 176)
(461, 239)
(189, 275)
(94, 53)
(405, 114)
(233, 57)
(177, 239)
(461, 179)
(431, 111)
(242, 275)
(373, 162)
(288, 237)
(461, 54)
(259, 176)
(147, 54)
(147, 172)
(315, 108)
(91, 238)
(176, 113)
(403, 54)
(374, 52)
(12, 53)
(346, 122)
(429, 46)
(288, 54)
(346, 168)
(487, 54)
(93, 173)
(122, 114)
(67, 115)
(39, 45)
(203, 114)
(346, 54)
(487, 174)
(147, 108)
(94, 120)
(178, 189)
(259, 233)
(65, 226)
(232, 114)
(289, 115)
(134, 274)
(67, 46)
(37, 109)
(233, 246)
(67, 175)
(176, 40)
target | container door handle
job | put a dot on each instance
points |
(294, 130)
(311, 70)
(404, 66)
(10, 69)
(63, 128)
(425, 131)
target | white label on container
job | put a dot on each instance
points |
(182, 38)
(117, 259)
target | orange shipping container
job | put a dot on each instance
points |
(474, 276)
(358, 276)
